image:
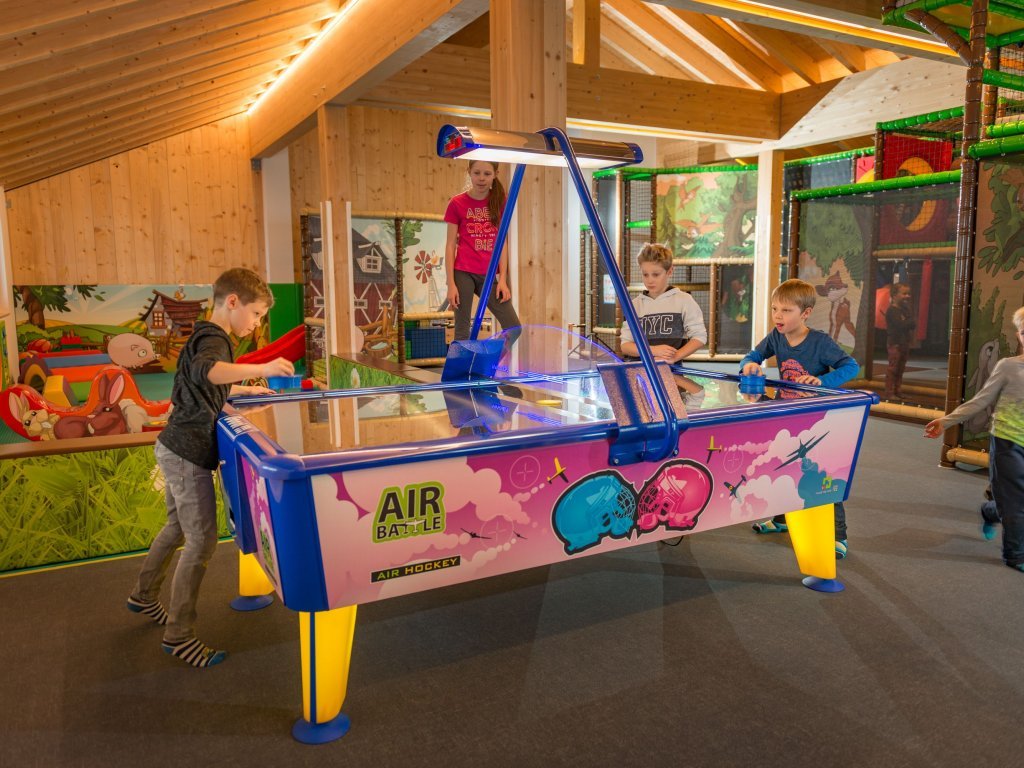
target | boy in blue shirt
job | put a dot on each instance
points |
(804, 356)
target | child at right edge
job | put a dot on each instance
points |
(804, 356)
(1004, 389)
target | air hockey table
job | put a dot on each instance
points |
(341, 498)
(534, 449)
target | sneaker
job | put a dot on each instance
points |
(988, 530)
(841, 549)
(153, 609)
(1018, 567)
(769, 526)
(194, 652)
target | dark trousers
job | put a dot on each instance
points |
(1006, 471)
(898, 354)
(840, 521)
(470, 284)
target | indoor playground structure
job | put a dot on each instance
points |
(985, 260)
(705, 215)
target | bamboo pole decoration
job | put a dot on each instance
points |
(583, 283)
(990, 94)
(713, 290)
(399, 293)
(942, 31)
(966, 220)
(594, 287)
(794, 239)
(623, 189)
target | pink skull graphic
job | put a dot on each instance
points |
(674, 497)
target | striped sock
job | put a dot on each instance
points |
(153, 609)
(194, 652)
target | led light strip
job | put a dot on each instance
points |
(820, 22)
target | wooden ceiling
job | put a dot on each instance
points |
(81, 80)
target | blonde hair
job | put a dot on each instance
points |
(798, 292)
(655, 253)
(1018, 320)
(245, 284)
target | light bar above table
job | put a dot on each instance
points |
(531, 148)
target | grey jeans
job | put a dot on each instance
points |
(504, 312)
(192, 520)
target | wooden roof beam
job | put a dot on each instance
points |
(850, 21)
(586, 32)
(374, 40)
(631, 48)
(140, 26)
(603, 96)
(683, 106)
(675, 44)
(128, 57)
(785, 49)
(265, 63)
(77, 119)
(835, 111)
(731, 48)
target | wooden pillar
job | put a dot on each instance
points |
(767, 239)
(963, 263)
(528, 94)
(586, 33)
(10, 350)
(336, 226)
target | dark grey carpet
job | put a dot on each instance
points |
(707, 654)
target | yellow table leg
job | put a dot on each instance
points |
(325, 639)
(812, 532)
(255, 590)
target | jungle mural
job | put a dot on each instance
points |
(704, 214)
(835, 242)
(998, 284)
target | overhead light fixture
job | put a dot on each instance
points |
(531, 148)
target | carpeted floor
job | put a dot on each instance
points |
(706, 654)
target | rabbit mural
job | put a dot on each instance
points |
(114, 406)
(105, 419)
(38, 423)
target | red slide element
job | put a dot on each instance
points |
(291, 346)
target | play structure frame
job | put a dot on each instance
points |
(977, 31)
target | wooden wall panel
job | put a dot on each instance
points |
(394, 166)
(179, 210)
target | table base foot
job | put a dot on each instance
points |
(251, 603)
(321, 733)
(823, 585)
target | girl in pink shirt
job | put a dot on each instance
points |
(472, 219)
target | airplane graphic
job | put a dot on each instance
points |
(559, 472)
(734, 489)
(474, 535)
(518, 534)
(802, 450)
(712, 448)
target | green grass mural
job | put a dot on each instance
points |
(63, 508)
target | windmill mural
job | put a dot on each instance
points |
(424, 281)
